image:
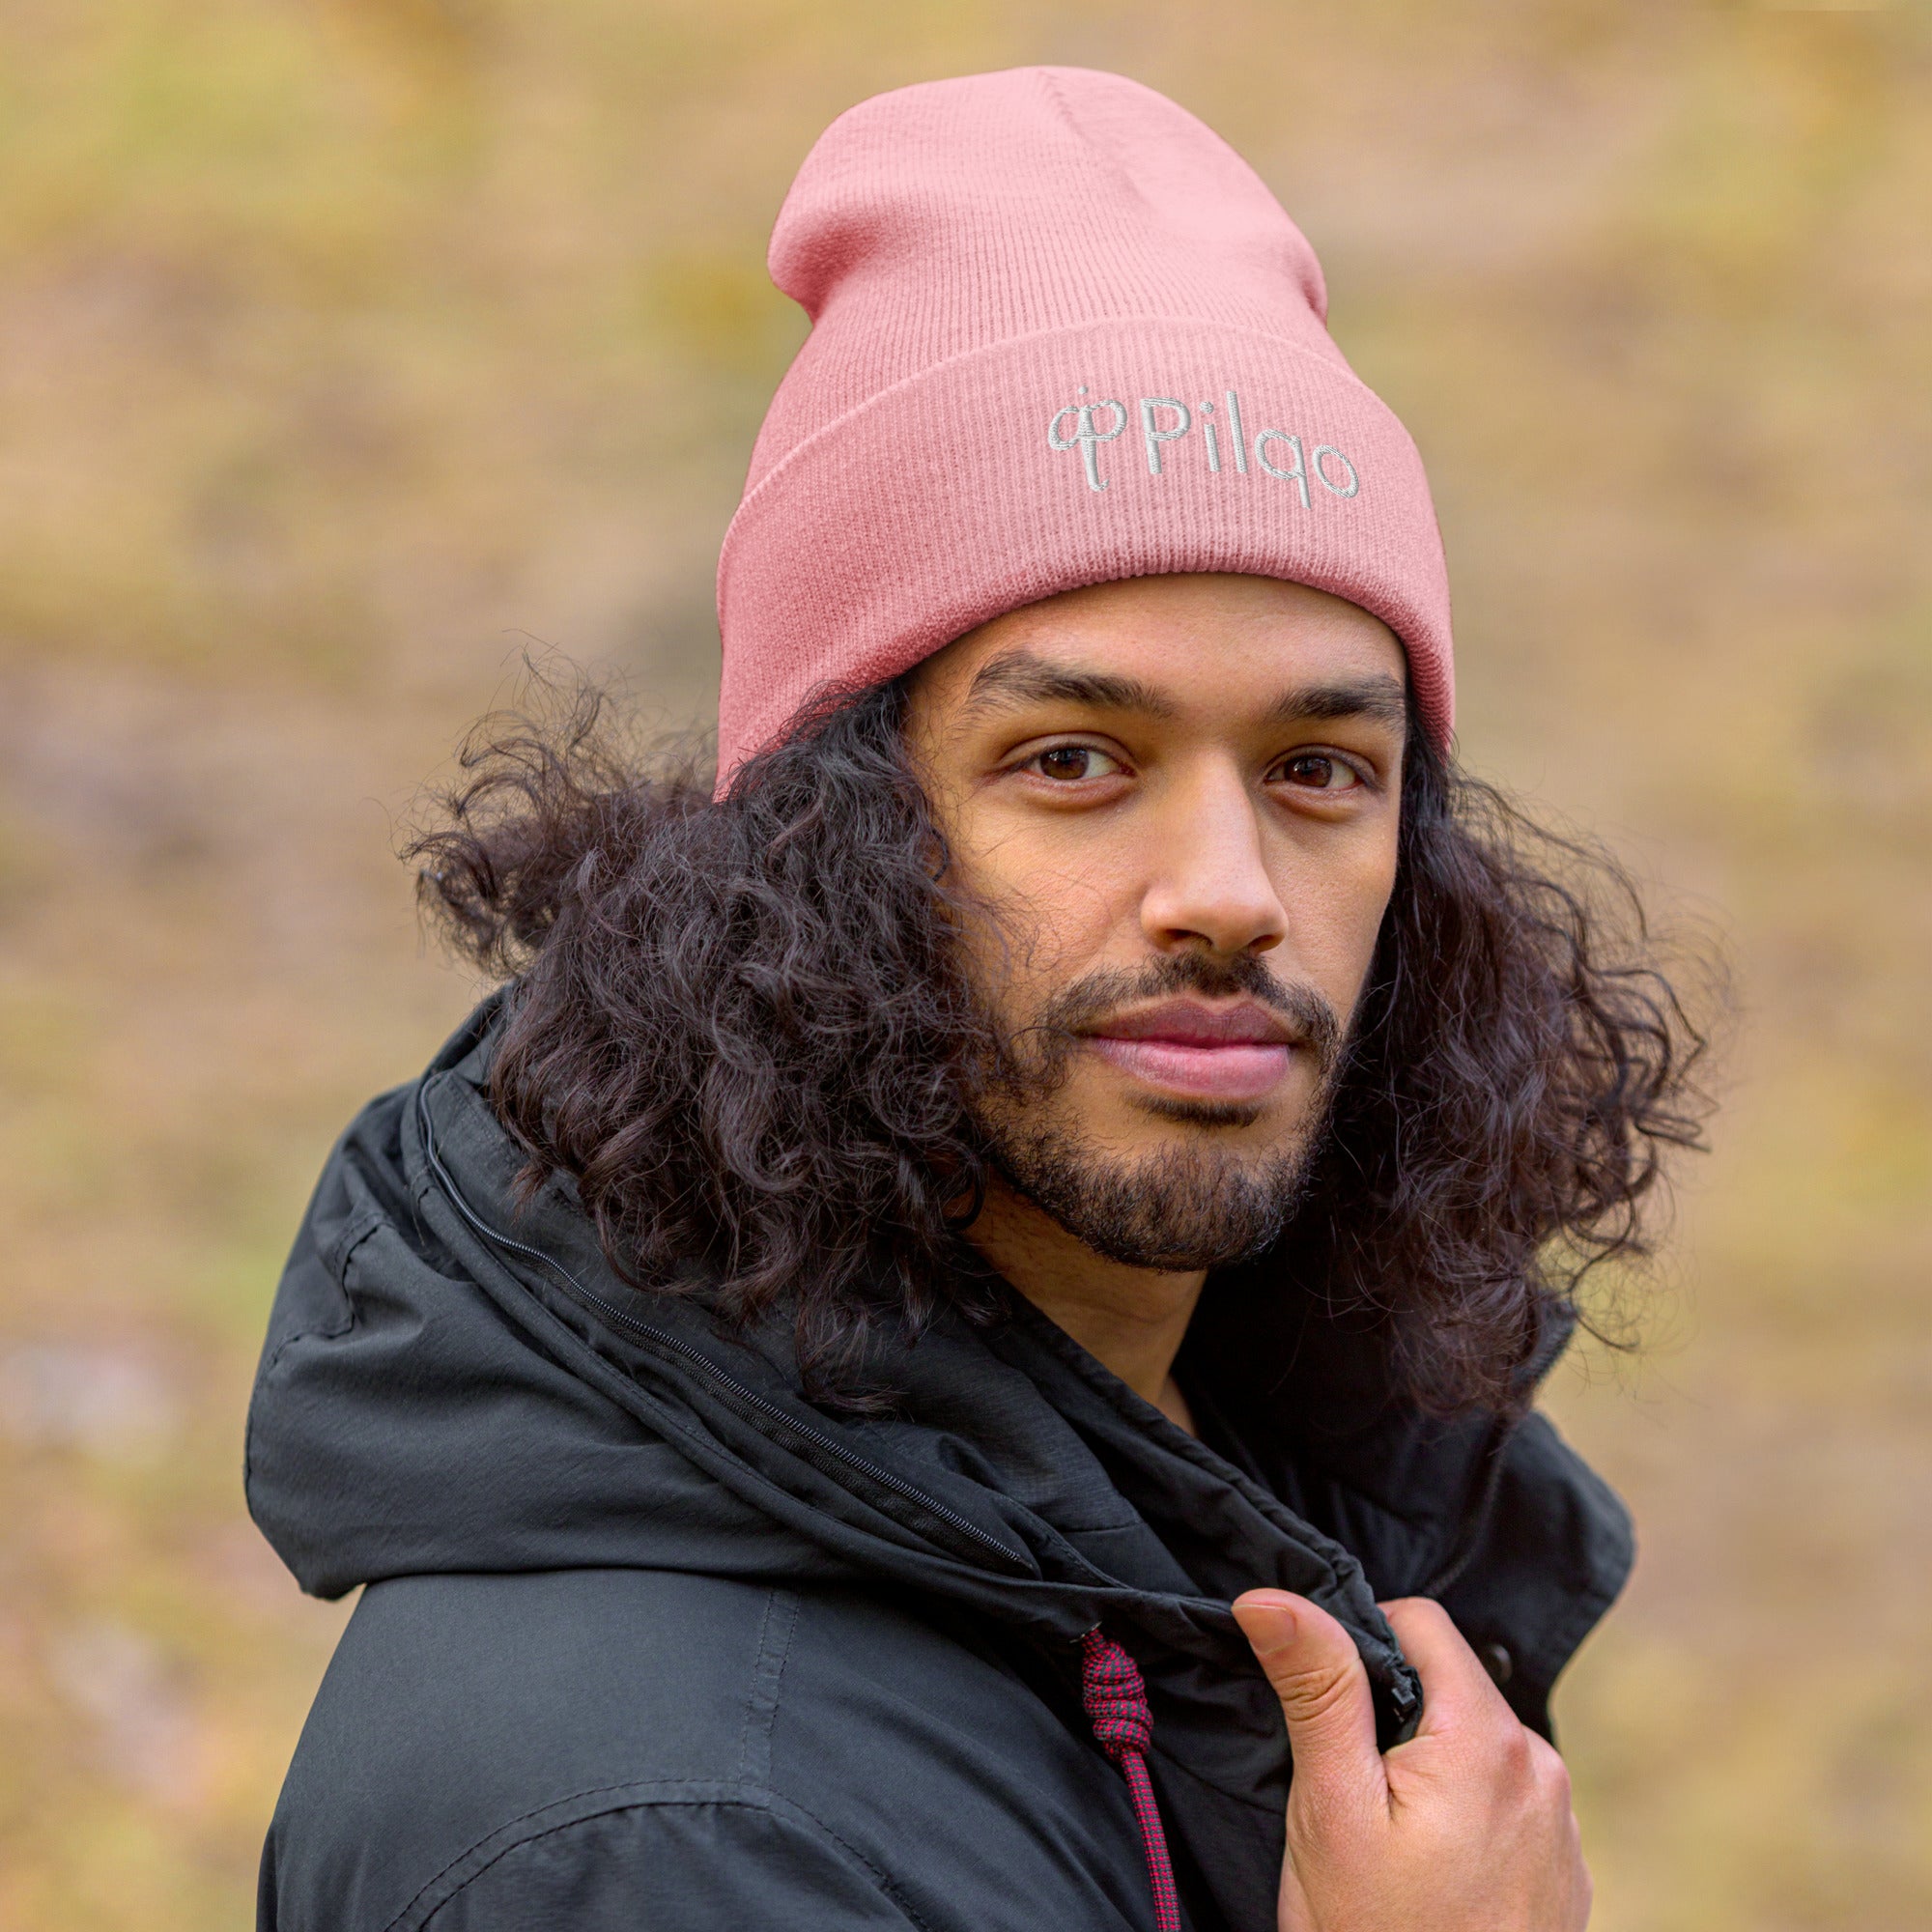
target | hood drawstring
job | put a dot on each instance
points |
(1115, 1696)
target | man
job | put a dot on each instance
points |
(880, 1381)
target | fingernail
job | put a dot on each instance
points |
(1276, 1613)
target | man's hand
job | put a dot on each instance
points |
(1466, 1827)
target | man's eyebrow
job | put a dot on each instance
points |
(1018, 678)
(1381, 697)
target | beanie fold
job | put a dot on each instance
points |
(1126, 447)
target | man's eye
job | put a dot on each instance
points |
(1316, 771)
(1069, 762)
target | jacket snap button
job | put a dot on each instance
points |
(1497, 1662)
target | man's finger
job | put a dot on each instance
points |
(1312, 1662)
(1456, 1689)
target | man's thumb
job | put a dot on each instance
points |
(1313, 1665)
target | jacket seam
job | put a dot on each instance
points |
(644, 1797)
(335, 1260)
(429, 1883)
(357, 1230)
(777, 1806)
(761, 1706)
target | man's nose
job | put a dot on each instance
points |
(1210, 883)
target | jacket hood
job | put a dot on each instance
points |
(452, 1384)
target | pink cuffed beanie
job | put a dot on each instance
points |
(1060, 334)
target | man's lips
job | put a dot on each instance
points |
(1218, 1053)
(1187, 1023)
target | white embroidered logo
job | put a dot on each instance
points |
(1166, 420)
(1086, 439)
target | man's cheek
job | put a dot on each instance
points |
(1040, 949)
(1349, 937)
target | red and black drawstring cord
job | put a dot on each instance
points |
(1115, 1696)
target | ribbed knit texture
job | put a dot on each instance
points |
(1117, 1708)
(1062, 334)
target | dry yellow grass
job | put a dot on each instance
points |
(349, 346)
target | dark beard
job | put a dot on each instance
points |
(1189, 1206)
(1185, 1208)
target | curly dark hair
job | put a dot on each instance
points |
(741, 1027)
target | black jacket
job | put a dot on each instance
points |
(647, 1641)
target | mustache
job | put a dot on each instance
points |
(1075, 1007)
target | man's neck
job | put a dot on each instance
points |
(1129, 1319)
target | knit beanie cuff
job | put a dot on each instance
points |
(1040, 463)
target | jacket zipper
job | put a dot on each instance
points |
(662, 1338)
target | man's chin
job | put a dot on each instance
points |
(1178, 1207)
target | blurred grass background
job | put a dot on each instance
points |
(346, 347)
